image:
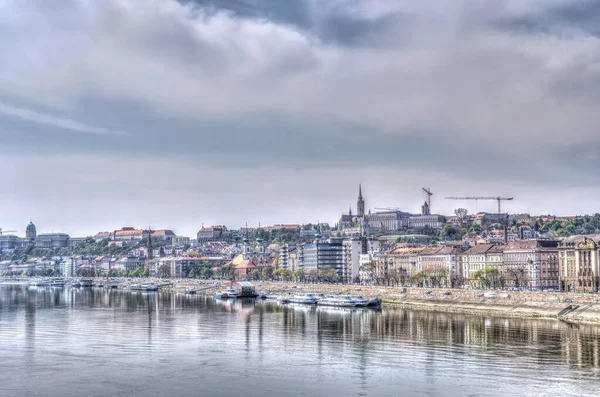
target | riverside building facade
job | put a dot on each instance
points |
(314, 257)
(579, 264)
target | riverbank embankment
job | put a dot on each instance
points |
(571, 307)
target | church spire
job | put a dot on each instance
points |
(360, 204)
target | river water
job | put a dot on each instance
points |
(92, 342)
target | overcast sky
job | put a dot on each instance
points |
(174, 114)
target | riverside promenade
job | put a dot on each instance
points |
(570, 307)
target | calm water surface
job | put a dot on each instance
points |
(74, 342)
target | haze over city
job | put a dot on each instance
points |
(173, 114)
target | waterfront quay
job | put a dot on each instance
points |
(571, 307)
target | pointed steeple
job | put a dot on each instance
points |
(360, 204)
(245, 240)
(350, 210)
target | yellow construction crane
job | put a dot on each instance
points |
(6, 231)
(497, 198)
(429, 194)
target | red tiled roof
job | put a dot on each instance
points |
(102, 234)
(163, 232)
(129, 232)
(212, 228)
(289, 226)
(246, 264)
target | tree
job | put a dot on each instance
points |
(287, 274)
(299, 275)
(419, 278)
(369, 269)
(164, 270)
(277, 273)
(137, 272)
(329, 274)
(228, 271)
(461, 214)
(475, 228)
(450, 233)
(394, 276)
(487, 276)
(192, 273)
(267, 272)
(206, 272)
(517, 276)
(254, 274)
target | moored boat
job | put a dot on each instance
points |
(343, 301)
(375, 302)
(142, 287)
(86, 282)
(306, 299)
(57, 282)
(226, 294)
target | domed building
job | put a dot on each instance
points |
(30, 231)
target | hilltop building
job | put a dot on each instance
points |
(30, 231)
(9, 242)
(391, 220)
(213, 233)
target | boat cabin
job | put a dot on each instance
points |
(244, 289)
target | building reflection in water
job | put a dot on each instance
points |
(363, 330)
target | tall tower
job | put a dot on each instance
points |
(318, 234)
(149, 248)
(246, 241)
(425, 209)
(360, 204)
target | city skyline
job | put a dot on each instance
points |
(173, 114)
(487, 204)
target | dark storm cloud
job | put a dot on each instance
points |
(353, 30)
(287, 12)
(330, 22)
(578, 14)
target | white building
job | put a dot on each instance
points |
(352, 251)
(481, 256)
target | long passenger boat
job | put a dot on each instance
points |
(344, 301)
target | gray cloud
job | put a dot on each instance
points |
(458, 93)
(54, 121)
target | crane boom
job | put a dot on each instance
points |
(429, 194)
(6, 231)
(497, 198)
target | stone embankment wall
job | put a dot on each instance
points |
(563, 306)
